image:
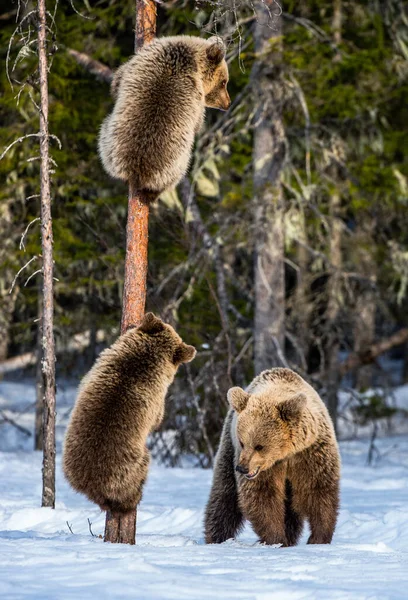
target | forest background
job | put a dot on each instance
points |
(286, 244)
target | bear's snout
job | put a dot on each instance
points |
(242, 470)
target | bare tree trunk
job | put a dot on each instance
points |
(8, 302)
(121, 528)
(39, 391)
(303, 305)
(337, 21)
(7, 299)
(268, 159)
(197, 229)
(48, 357)
(364, 317)
(332, 341)
(333, 309)
(405, 365)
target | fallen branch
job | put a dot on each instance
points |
(95, 67)
(77, 342)
(69, 527)
(6, 419)
(359, 359)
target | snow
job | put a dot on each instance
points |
(40, 558)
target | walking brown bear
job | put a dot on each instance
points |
(278, 464)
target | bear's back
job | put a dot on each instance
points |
(159, 107)
(117, 401)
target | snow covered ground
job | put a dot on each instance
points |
(40, 558)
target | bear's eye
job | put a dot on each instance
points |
(258, 448)
(224, 83)
(241, 444)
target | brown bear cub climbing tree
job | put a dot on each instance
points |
(120, 401)
(278, 464)
(160, 98)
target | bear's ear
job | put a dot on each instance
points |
(184, 353)
(291, 409)
(151, 324)
(215, 50)
(238, 399)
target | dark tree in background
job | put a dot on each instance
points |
(268, 160)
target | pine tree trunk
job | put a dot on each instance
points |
(332, 342)
(268, 159)
(364, 318)
(7, 299)
(405, 365)
(48, 346)
(337, 21)
(39, 391)
(333, 309)
(303, 305)
(121, 528)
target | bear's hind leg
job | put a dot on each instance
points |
(293, 521)
(149, 196)
(322, 515)
(223, 517)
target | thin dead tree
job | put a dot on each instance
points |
(39, 391)
(332, 348)
(48, 344)
(121, 528)
(268, 157)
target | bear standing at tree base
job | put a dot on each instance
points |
(120, 401)
(278, 464)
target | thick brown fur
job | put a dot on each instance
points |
(160, 99)
(278, 431)
(120, 401)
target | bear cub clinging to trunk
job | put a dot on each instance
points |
(278, 463)
(120, 401)
(160, 98)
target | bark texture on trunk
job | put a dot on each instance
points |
(337, 21)
(39, 389)
(364, 317)
(48, 345)
(7, 299)
(268, 159)
(303, 304)
(334, 284)
(121, 528)
(333, 308)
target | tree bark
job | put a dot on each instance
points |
(332, 346)
(7, 299)
(121, 528)
(337, 21)
(332, 342)
(364, 316)
(39, 390)
(303, 305)
(48, 344)
(268, 159)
